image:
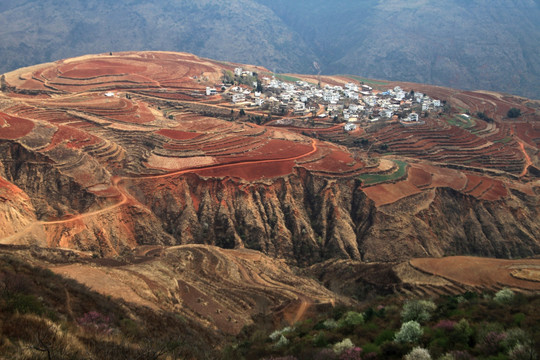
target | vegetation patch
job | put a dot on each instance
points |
(366, 80)
(466, 326)
(372, 179)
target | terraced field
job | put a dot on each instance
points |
(110, 125)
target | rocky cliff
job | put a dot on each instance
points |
(147, 165)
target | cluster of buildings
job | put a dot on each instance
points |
(351, 102)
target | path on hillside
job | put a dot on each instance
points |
(528, 160)
(116, 180)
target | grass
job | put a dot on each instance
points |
(366, 80)
(287, 78)
(462, 122)
(371, 179)
(506, 140)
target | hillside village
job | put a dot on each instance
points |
(352, 103)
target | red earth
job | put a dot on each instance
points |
(12, 127)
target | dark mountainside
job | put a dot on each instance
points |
(492, 45)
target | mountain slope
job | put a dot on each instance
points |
(491, 45)
(239, 30)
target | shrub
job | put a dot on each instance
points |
(462, 332)
(276, 334)
(24, 304)
(522, 352)
(342, 346)
(418, 353)
(445, 325)
(96, 322)
(513, 113)
(409, 332)
(491, 343)
(504, 296)
(351, 318)
(283, 341)
(320, 340)
(330, 324)
(418, 310)
(456, 355)
(325, 354)
(354, 353)
(515, 336)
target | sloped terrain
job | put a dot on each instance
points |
(116, 151)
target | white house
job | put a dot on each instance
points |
(299, 106)
(351, 87)
(238, 71)
(330, 96)
(413, 117)
(349, 127)
(386, 113)
(210, 91)
(236, 98)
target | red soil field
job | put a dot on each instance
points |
(485, 272)
(473, 181)
(331, 160)
(14, 127)
(497, 191)
(273, 149)
(384, 194)
(178, 134)
(95, 68)
(74, 138)
(419, 177)
(443, 177)
(250, 172)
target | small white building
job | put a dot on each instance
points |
(210, 91)
(238, 71)
(413, 117)
(236, 98)
(349, 127)
(351, 87)
(386, 113)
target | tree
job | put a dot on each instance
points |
(504, 296)
(514, 113)
(242, 112)
(418, 353)
(409, 332)
(418, 310)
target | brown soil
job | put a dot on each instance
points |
(482, 272)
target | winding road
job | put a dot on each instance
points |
(124, 196)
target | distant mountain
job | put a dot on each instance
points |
(481, 44)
